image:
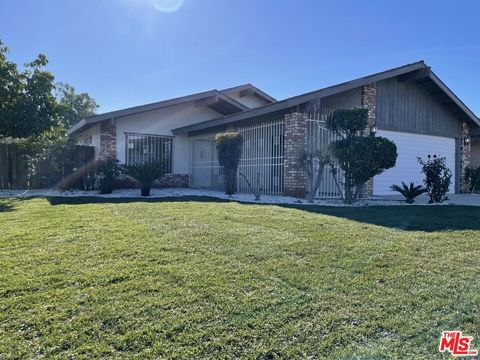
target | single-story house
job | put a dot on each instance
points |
(409, 105)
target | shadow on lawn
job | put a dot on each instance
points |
(8, 205)
(411, 218)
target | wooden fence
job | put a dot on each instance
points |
(72, 168)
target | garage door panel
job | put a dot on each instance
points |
(409, 148)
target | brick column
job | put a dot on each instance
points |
(108, 140)
(369, 101)
(465, 153)
(295, 140)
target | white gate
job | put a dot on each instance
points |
(261, 162)
(320, 138)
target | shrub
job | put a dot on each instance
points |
(314, 162)
(229, 146)
(409, 192)
(360, 158)
(145, 173)
(437, 178)
(107, 172)
(472, 178)
(348, 122)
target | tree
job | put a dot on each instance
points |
(27, 105)
(73, 107)
(359, 157)
(313, 161)
(229, 146)
(145, 174)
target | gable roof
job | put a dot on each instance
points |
(415, 70)
(215, 99)
(249, 89)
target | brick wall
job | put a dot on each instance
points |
(465, 154)
(295, 140)
(166, 181)
(369, 101)
(108, 140)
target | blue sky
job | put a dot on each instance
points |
(131, 52)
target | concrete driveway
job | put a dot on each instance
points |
(454, 199)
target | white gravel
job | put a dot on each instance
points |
(162, 193)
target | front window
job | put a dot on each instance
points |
(149, 148)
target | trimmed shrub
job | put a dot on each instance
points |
(409, 192)
(107, 172)
(360, 158)
(229, 146)
(437, 177)
(145, 173)
(348, 122)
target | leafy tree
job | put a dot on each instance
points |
(359, 157)
(27, 105)
(437, 177)
(73, 107)
(229, 146)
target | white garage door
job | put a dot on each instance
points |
(407, 169)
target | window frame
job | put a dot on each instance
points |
(168, 138)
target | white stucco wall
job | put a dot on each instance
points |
(161, 122)
(249, 101)
(94, 132)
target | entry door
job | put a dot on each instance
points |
(203, 163)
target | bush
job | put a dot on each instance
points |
(107, 172)
(437, 178)
(229, 146)
(348, 122)
(145, 173)
(409, 192)
(472, 178)
(360, 158)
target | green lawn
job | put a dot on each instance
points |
(204, 279)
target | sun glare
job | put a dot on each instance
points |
(167, 6)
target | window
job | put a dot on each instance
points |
(149, 148)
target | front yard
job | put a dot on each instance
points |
(193, 278)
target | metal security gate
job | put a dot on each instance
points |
(320, 138)
(261, 162)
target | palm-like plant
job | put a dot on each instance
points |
(145, 174)
(409, 192)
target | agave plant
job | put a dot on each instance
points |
(145, 174)
(409, 192)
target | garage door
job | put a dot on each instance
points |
(407, 169)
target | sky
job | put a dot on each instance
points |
(132, 52)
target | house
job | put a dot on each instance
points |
(409, 105)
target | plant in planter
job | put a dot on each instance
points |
(437, 177)
(145, 173)
(409, 192)
(107, 172)
(229, 146)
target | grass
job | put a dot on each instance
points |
(203, 279)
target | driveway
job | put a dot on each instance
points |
(454, 199)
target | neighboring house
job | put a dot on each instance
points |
(409, 105)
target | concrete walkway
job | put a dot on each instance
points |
(454, 199)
